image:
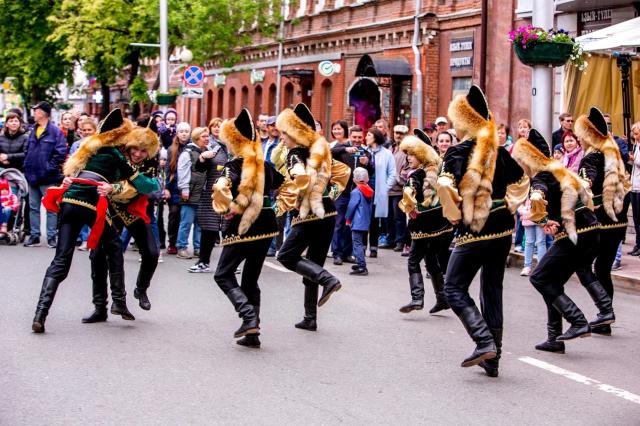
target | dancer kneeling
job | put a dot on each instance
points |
(242, 195)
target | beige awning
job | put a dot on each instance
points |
(624, 36)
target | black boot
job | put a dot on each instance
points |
(602, 330)
(554, 329)
(478, 330)
(417, 294)
(252, 340)
(47, 294)
(491, 365)
(310, 307)
(119, 296)
(98, 315)
(245, 311)
(99, 287)
(318, 275)
(573, 314)
(603, 303)
(437, 280)
(143, 299)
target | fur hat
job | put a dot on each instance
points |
(299, 125)
(111, 133)
(240, 136)
(142, 138)
(533, 153)
(412, 145)
(594, 134)
(420, 134)
(472, 119)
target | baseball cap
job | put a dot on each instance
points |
(43, 105)
(442, 120)
(271, 120)
(400, 128)
(430, 126)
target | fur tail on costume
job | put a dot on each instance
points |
(612, 188)
(319, 164)
(251, 189)
(429, 186)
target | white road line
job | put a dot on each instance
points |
(276, 267)
(621, 393)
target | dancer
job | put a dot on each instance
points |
(315, 181)
(82, 201)
(602, 167)
(561, 203)
(480, 188)
(129, 209)
(241, 194)
(431, 233)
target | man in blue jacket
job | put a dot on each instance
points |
(46, 151)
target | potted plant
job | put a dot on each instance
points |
(553, 48)
(164, 98)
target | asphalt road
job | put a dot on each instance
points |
(367, 364)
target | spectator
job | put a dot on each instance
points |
(383, 178)
(431, 130)
(534, 237)
(272, 139)
(86, 127)
(190, 184)
(68, 128)
(444, 141)
(46, 151)
(622, 145)
(383, 126)
(572, 151)
(166, 128)
(397, 220)
(566, 123)
(9, 204)
(162, 182)
(13, 142)
(634, 156)
(442, 124)
(340, 133)
(261, 124)
(171, 192)
(358, 218)
(503, 137)
(524, 126)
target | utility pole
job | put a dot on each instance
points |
(542, 81)
(164, 50)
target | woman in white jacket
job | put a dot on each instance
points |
(634, 156)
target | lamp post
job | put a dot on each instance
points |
(542, 78)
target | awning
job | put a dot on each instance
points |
(622, 36)
(383, 67)
(582, 5)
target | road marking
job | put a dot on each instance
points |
(621, 393)
(276, 267)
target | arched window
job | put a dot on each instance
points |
(306, 89)
(231, 112)
(220, 108)
(244, 99)
(272, 99)
(209, 105)
(288, 95)
(257, 101)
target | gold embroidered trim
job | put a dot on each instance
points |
(563, 234)
(79, 203)
(423, 235)
(522, 179)
(470, 238)
(614, 225)
(311, 217)
(239, 239)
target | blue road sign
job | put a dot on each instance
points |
(193, 76)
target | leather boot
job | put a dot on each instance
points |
(603, 303)
(437, 281)
(245, 311)
(119, 296)
(491, 365)
(417, 294)
(478, 330)
(47, 294)
(251, 340)
(310, 307)
(143, 300)
(318, 275)
(554, 329)
(99, 287)
(602, 330)
(573, 314)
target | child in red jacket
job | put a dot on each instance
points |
(9, 203)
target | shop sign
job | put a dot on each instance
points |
(461, 62)
(219, 80)
(461, 45)
(328, 68)
(256, 76)
(593, 20)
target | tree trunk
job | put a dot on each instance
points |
(106, 94)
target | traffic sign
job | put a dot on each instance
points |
(193, 92)
(193, 76)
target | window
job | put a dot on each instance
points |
(257, 101)
(244, 100)
(460, 86)
(220, 103)
(232, 103)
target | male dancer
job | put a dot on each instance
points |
(431, 233)
(81, 200)
(602, 167)
(310, 170)
(561, 203)
(480, 188)
(242, 195)
(140, 149)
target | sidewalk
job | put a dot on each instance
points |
(626, 280)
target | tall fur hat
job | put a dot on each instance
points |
(533, 153)
(240, 136)
(143, 138)
(412, 145)
(111, 133)
(473, 120)
(299, 125)
(594, 134)
(420, 134)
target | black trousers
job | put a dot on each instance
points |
(162, 232)
(397, 222)
(315, 237)
(374, 230)
(435, 253)
(208, 240)
(174, 224)
(253, 254)
(488, 256)
(559, 263)
(606, 251)
(71, 220)
(635, 210)
(149, 253)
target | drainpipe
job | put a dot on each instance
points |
(483, 46)
(280, 48)
(418, 63)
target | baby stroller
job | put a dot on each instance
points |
(20, 187)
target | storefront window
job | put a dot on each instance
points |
(460, 86)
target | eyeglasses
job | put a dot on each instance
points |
(569, 120)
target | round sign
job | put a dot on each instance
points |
(193, 76)
(326, 68)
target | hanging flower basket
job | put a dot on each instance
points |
(166, 98)
(546, 53)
